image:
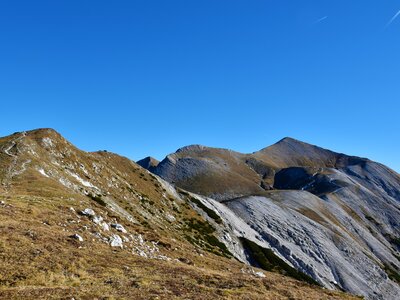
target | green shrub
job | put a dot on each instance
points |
(98, 199)
(183, 193)
(212, 214)
(269, 261)
(372, 220)
(199, 226)
(393, 274)
(395, 241)
(202, 235)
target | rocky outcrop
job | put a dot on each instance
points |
(148, 163)
(333, 217)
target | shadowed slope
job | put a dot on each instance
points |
(224, 174)
(209, 171)
(148, 163)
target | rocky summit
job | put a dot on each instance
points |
(331, 216)
(292, 221)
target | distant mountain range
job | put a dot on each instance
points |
(204, 223)
(332, 216)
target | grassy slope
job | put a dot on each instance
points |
(38, 259)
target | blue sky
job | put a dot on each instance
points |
(145, 77)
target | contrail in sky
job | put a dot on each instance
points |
(393, 19)
(320, 20)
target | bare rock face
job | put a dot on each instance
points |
(334, 217)
(61, 204)
(77, 237)
(329, 247)
(148, 163)
(119, 227)
(116, 241)
(218, 173)
(88, 212)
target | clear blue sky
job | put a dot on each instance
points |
(145, 77)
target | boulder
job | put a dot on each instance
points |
(88, 212)
(97, 219)
(119, 227)
(104, 226)
(77, 237)
(116, 241)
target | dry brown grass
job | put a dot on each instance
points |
(38, 260)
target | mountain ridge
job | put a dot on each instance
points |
(348, 203)
(78, 224)
(337, 225)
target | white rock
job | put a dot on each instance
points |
(77, 237)
(97, 219)
(88, 212)
(116, 241)
(170, 217)
(41, 171)
(259, 274)
(104, 226)
(119, 227)
(48, 142)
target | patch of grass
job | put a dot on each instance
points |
(395, 241)
(212, 214)
(267, 260)
(147, 201)
(183, 193)
(145, 224)
(372, 220)
(370, 230)
(202, 235)
(175, 209)
(97, 199)
(393, 274)
(213, 241)
(199, 226)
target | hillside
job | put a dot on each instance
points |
(331, 216)
(96, 225)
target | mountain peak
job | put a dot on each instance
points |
(148, 162)
(190, 148)
(289, 139)
(42, 131)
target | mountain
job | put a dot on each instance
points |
(149, 163)
(331, 216)
(95, 225)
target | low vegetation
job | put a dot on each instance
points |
(201, 234)
(50, 249)
(212, 214)
(392, 273)
(268, 261)
(98, 199)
